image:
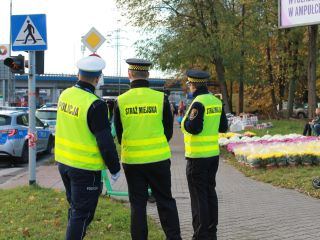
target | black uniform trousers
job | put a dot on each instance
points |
(201, 176)
(158, 177)
(83, 188)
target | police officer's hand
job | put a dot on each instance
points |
(115, 177)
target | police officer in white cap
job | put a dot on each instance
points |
(84, 145)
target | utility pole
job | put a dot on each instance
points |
(118, 61)
(118, 46)
(83, 47)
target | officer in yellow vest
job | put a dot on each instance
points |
(144, 126)
(203, 121)
(84, 145)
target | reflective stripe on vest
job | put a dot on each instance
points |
(75, 145)
(143, 139)
(204, 144)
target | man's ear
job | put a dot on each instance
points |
(129, 74)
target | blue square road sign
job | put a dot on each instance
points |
(29, 32)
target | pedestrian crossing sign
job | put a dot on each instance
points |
(29, 32)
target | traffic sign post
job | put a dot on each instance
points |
(29, 33)
(93, 40)
(32, 119)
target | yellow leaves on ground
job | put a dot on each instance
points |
(32, 198)
(25, 232)
(109, 226)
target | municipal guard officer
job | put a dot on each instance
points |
(144, 126)
(84, 145)
(203, 121)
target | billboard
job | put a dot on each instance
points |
(294, 13)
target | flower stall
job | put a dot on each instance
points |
(271, 151)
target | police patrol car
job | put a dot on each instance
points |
(13, 132)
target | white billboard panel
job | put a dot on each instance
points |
(298, 13)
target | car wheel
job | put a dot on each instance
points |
(25, 153)
(50, 145)
(301, 115)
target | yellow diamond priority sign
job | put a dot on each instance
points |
(93, 40)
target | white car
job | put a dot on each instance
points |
(48, 115)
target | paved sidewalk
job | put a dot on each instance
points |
(248, 210)
(46, 176)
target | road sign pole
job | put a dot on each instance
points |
(32, 119)
(29, 33)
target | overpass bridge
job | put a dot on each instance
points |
(113, 86)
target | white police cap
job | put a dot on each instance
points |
(91, 66)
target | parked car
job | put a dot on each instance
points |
(300, 111)
(15, 108)
(13, 132)
(49, 105)
(110, 98)
(48, 115)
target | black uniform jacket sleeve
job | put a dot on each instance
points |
(99, 125)
(167, 120)
(194, 121)
(117, 122)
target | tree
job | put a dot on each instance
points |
(312, 65)
(238, 41)
(188, 33)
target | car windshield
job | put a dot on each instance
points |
(5, 120)
(49, 105)
(48, 115)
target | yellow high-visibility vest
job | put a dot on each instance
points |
(75, 145)
(143, 139)
(204, 144)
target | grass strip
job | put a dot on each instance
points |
(39, 213)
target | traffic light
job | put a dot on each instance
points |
(39, 62)
(15, 63)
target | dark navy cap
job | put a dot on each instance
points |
(197, 76)
(138, 64)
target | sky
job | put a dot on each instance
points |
(67, 22)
